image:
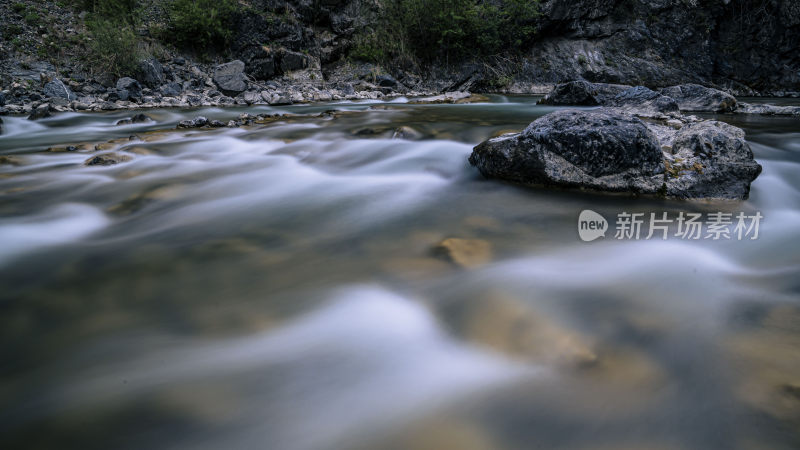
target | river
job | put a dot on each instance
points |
(275, 286)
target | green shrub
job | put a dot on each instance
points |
(19, 7)
(13, 29)
(202, 24)
(444, 29)
(114, 46)
(31, 18)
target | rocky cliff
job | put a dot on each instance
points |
(743, 46)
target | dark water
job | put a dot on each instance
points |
(275, 287)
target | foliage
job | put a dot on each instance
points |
(202, 24)
(114, 47)
(443, 29)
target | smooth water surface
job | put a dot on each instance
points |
(275, 286)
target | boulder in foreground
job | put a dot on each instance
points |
(611, 151)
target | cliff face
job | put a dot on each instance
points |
(738, 44)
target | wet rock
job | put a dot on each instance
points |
(197, 122)
(57, 89)
(450, 97)
(720, 163)
(107, 159)
(697, 98)
(138, 118)
(467, 253)
(230, 78)
(767, 110)
(641, 100)
(130, 86)
(40, 112)
(607, 150)
(9, 159)
(602, 150)
(582, 93)
(407, 133)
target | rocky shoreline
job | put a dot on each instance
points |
(180, 84)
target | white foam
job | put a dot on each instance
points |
(59, 225)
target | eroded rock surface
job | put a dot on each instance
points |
(612, 151)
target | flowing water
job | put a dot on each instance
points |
(275, 286)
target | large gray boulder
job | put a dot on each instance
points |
(230, 78)
(609, 150)
(57, 89)
(601, 149)
(697, 98)
(152, 73)
(582, 93)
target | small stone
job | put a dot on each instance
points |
(107, 159)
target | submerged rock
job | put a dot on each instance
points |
(138, 118)
(697, 98)
(407, 133)
(467, 253)
(610, 151)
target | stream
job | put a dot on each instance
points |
(276, 286)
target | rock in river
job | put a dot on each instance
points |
(602, 149)
(696, 98)
(41, 112)
(582, 93)
(611, 151)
